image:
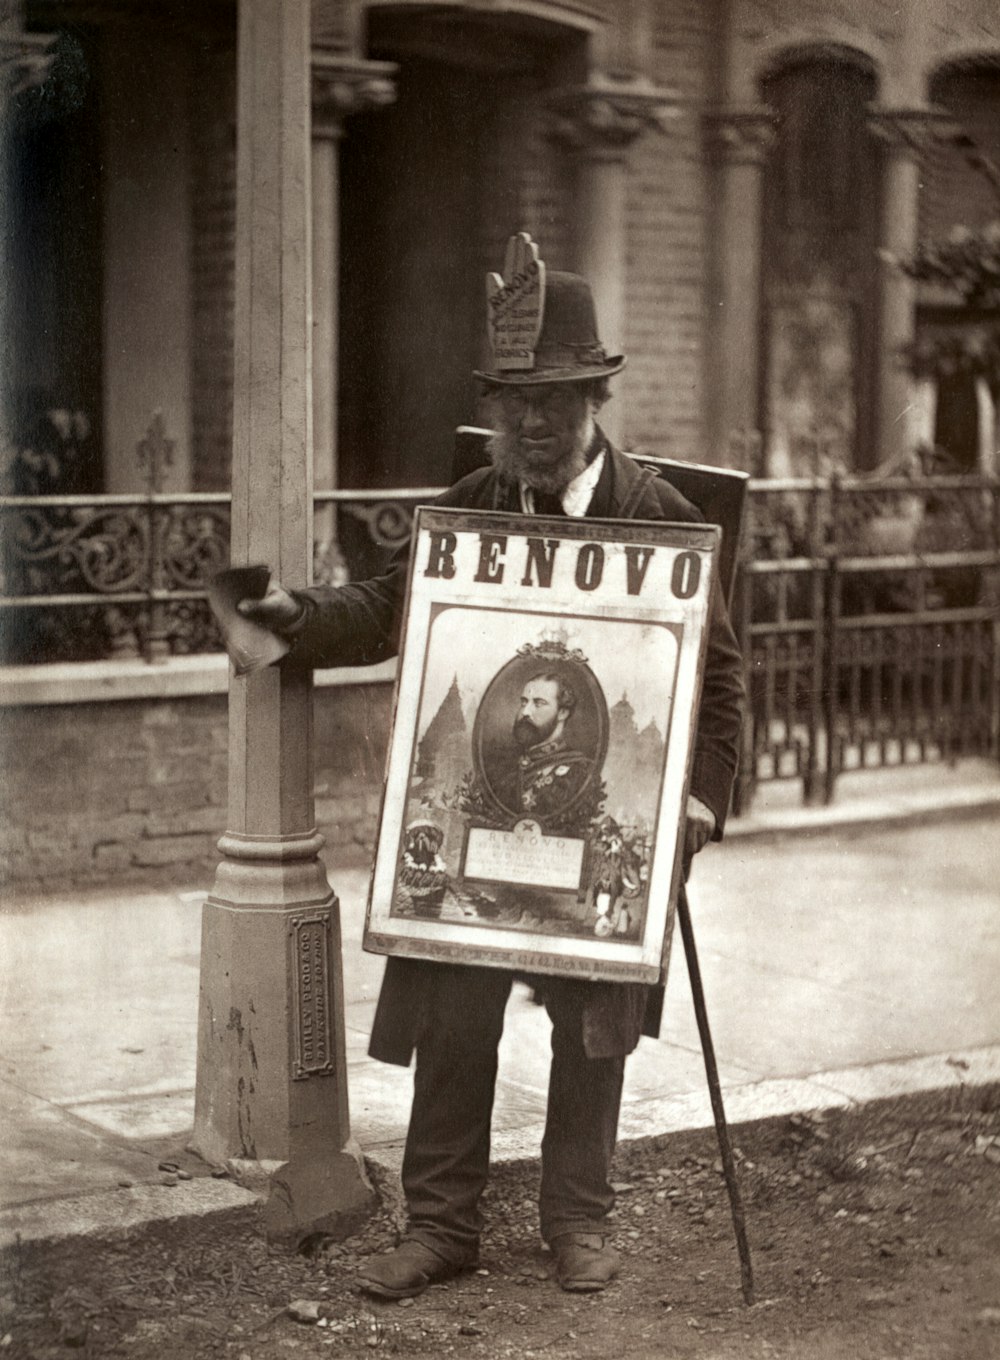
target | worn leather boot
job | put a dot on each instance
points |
(405, 1272)
(584, 1262)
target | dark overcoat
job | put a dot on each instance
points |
(359, 624)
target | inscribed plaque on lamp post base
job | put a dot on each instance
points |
(546, 701)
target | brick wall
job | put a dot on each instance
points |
(661, 393)
(663, 387)
(546, 186)
(129, 788)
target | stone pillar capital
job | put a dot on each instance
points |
(343, 85)
(908, 132)
(742, 136)
(604, 117)
(25, 59)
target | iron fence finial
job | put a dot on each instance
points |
(155, 453)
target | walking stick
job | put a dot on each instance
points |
(715, 1092)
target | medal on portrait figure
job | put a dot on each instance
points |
(548, 684)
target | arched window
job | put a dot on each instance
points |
(819, 277)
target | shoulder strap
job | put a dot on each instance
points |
(631, 503)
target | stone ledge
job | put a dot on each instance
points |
(209, 1203)
(81, 682)
(119, 1212)
(754, 1102)
(894, 794)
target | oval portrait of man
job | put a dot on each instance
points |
(540, 737)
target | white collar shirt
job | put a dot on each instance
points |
(577, 496)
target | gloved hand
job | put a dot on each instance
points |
(699, 827)
(277, 609)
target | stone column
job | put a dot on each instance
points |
(271, 1092)
(600, 121)
(740, 140)
(340, 86)
(904, 133)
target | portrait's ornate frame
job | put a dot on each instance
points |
(549, 678)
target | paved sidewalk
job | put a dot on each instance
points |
(845, 958)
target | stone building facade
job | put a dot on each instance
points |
(738, 178)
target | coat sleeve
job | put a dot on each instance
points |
(359, 624)
(352, 625)
(717, 742)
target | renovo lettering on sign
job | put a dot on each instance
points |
(536, 559)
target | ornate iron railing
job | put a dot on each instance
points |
(89, 577)
(870, 626)
(85, 577)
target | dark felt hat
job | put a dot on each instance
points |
(567, 349)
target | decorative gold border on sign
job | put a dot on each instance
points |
(309, 942)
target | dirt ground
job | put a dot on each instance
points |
(874, 1233)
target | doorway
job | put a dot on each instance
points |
(431, 187)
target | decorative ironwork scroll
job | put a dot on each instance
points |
(124, 576)
(389, 523)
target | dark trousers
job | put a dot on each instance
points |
(446, 1161)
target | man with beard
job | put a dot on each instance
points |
(548, 456)
(543, 774)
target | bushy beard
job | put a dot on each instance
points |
(526, 734)
(514, 465)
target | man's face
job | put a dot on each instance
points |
(544, 433)
(538, 712)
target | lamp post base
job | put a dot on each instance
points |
(271, 1094)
